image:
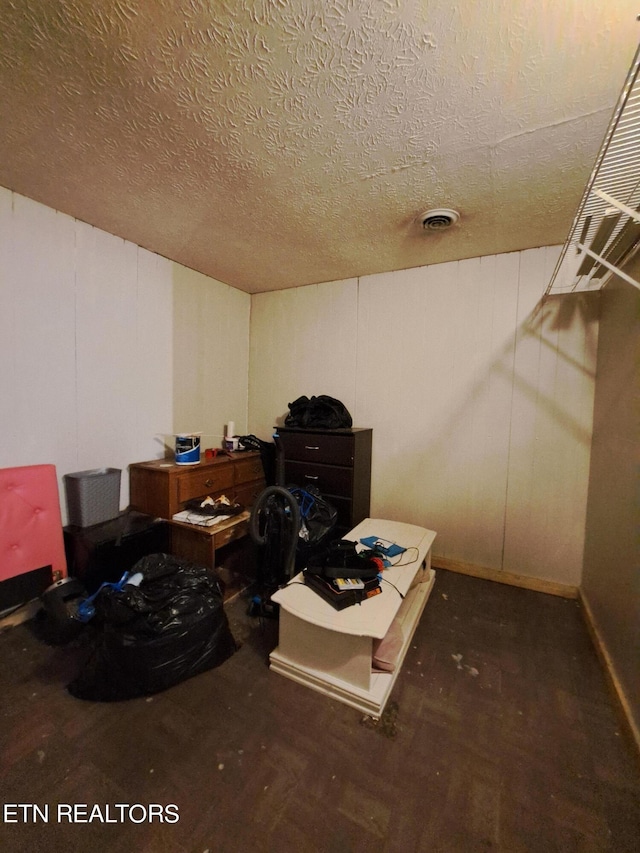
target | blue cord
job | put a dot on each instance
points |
(86, 610)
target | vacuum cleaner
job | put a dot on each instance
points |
(274, 526)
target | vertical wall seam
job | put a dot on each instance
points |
(138, 341)
(14, 301)
(513, 373)
(355, 366)
(75, 340)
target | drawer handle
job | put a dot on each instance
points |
(311, 477)
(208, 482)
(312, 447)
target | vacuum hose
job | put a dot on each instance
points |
(261, 539)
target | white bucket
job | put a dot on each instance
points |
(187, 448)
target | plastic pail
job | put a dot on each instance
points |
(187, 448)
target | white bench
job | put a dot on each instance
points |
(331, 650)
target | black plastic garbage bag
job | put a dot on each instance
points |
(152, 636)
(318, 519)
(317, 516)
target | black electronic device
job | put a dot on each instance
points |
(338, 597)
(341, 559)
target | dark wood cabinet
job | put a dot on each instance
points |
(337, 461)
(103, 552)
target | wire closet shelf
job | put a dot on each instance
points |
(606, 230)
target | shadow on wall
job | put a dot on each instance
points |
(562, 313)
(521, 433)
(555, 315)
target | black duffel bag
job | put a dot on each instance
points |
(320, 412)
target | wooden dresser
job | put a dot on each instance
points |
(337, 461)
(161, 488)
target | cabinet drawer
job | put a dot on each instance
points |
(247, 493)
(330, 479)
(248, 469)
(231, 533)
(318, 447)
(198, 483)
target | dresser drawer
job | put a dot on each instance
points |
(248, 469)
(247, 493)
(201, 482)
(337, 462)
(318, 447)
(330, 479)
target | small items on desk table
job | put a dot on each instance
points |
(199, 543)
(205, 526)
(207, 512)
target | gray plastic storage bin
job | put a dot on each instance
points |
(92, 496)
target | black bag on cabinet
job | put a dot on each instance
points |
(320, 412)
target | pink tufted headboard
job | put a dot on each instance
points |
(30, 522)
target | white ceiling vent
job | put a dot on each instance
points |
(438, 219)
(606, 229)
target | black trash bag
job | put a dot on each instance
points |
(320, 412)
(153, 636)
(318, 519)
(317, 516)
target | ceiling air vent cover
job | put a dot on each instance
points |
(438, 219)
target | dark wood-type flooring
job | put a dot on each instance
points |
(501, 734)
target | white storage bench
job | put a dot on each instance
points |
(331, 650)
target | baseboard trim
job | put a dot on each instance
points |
(523, 581)
(633, 730)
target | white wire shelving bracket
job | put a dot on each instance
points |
(606, 230)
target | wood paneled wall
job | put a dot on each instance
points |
(89, 324)
(85, 343)
(479, 395)
(211, 356)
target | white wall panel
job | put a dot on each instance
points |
(85, 342)
(487, 408)
(303, 342)
(152, 373)
(211, 356)
(550, 428)
(7, 324)
(37, 346)
(405, 388)
(105, 345)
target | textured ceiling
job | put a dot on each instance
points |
(274, 143)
